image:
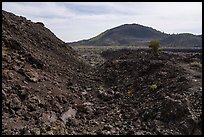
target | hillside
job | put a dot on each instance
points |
(183, 40)
(40, 76)
(124, 35)
(135, 34)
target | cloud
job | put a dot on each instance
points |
(72, 21)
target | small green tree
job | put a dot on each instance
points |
(154, 45)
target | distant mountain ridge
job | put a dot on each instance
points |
(183, 39)
(136, 34)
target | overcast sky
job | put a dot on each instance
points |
(73, 21)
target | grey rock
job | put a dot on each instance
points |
(35, 131)
(107, 127)
(88, 89)
(32, 75)
(88, 104)
(70, 114)
(49, 117)
(3, 93)
(84, 93)
(142, 133)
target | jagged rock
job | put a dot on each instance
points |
(35, 131)
(32, 75)
(88, 89)
(107, 127)
(40, 23)
(15, 103)
(142, 133)
(25, 131)
(84, 93)
(70, 114)
(88, 104)
(103, 94)
(173, 109)
(49, 117)
(16, 68)
(3, 93)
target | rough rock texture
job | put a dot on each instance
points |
(40, 76)
(170, 104)
(49, 89)
(174, 107)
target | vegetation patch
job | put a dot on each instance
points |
(153, 87)
(196, 64)
(130, 91)
(154, 45)
(98, 37)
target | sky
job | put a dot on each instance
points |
(74, 21)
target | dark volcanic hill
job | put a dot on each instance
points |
(135, 34)
(40, 76)
(128, 34)
(184, 40)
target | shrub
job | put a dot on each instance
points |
(153, 87)
(101, 89)
(131, 91)
(196, 64)
(154, 45)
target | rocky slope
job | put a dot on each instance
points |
(40, 76)
(134, 106)
(50, 89)
(139, 35)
